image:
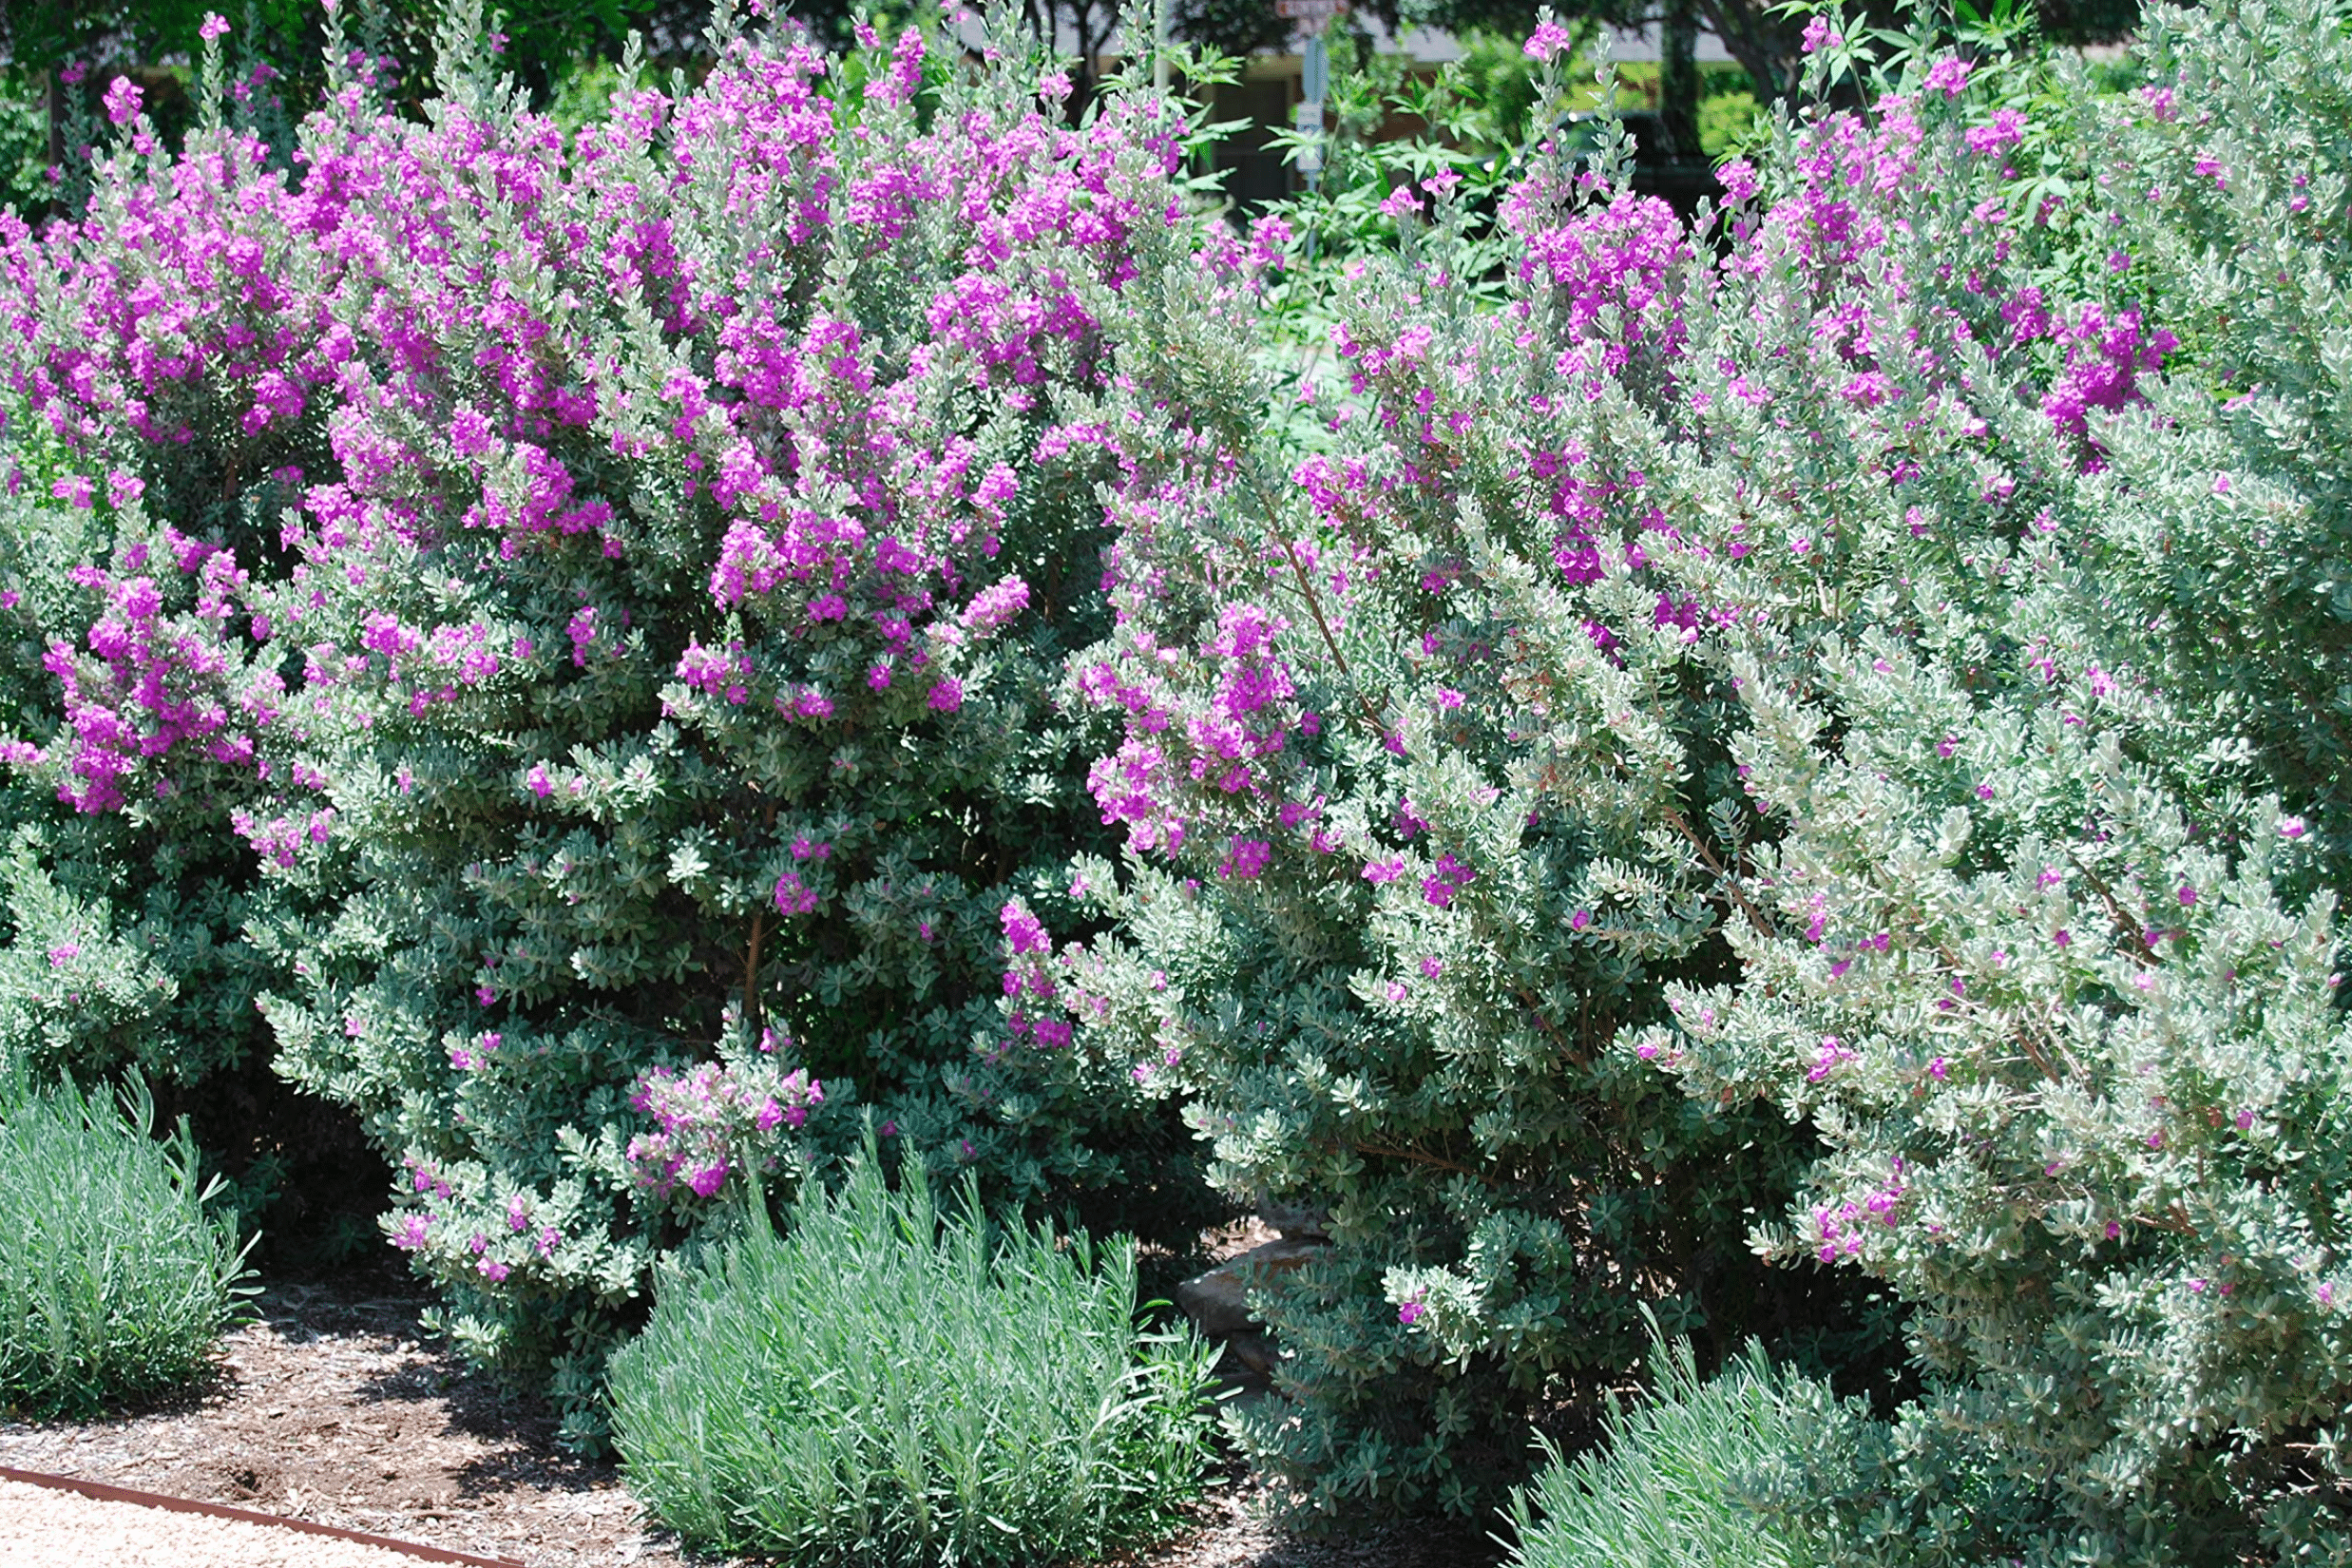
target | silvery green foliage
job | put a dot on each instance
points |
(1745, 631)
(606, 590)
(2224, 519)
(1425, 783)
(123, 938)
(2049, 954)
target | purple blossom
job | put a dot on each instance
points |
(1248, 859)
(1548, 39)
(1024, 933)
(2006, 130)
(123, 99)
(1948, 76)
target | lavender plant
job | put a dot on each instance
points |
(887, 1383)
(118, 1278)
(1663, 1489)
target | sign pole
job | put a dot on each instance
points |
(1314, 85)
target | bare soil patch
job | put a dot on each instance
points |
(332, 1407)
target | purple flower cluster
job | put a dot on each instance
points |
(335, 312)
(1839, 1231)
(712, 1119)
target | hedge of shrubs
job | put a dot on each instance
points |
(1782, 770)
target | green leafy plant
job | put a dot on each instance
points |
(884, 1384)
(2050, 952)
(1664, 1489)
(116, 1280)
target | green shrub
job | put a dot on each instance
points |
(114, 1279)
(2050, 951)
(660, 680)
(1664, 1491)
(879, 1387)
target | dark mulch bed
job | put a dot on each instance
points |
(332, 1407)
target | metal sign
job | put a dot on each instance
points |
(1317, 84)
(1311, 127)
(1310, 11)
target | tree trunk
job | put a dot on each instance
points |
(1678, 78)
(1763, 47)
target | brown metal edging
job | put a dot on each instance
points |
(104, 1493)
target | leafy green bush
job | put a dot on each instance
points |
(2049, 949)
(880, 1386)
(624, 640)
(1665, 1489)
(115, 1280)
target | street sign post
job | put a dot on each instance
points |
(1314, 83)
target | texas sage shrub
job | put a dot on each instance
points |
(2048, 952)
(121, 943)
(885, 1385)
(1464, 753)
(1424, 788)
(117, 1277)
(2227, 177)
(607, 592)
(159, 395)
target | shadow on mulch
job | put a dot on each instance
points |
(330, 1404)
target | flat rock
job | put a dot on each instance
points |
(1219, 1301)
(1298, 1221)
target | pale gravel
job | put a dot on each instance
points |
(42, 1527)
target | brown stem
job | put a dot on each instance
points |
(1730, 882)
(751, 975)
(2142, 952)
(1413, 1154)
(1535, 1010)
(1314, 608)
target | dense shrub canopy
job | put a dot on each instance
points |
(613, 591)
(1808, 738)
(1807, 626)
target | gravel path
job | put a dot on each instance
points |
(41, 1527)
(332, 1407)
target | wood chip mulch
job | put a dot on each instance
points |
(332, 1407)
